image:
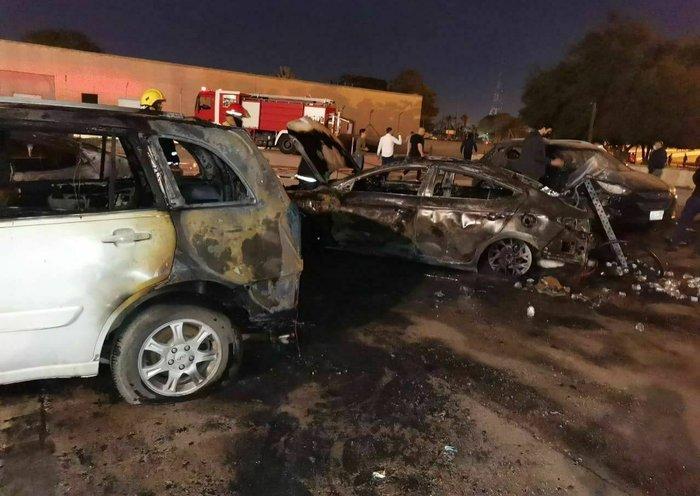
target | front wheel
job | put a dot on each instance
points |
(509, 257)
(285, 144)
(172, 351)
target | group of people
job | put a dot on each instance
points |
(416, 145)
(388, 142)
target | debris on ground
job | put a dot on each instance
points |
(449, 452)
(551, 286)
(530, 311)
(379, 475)
(639, 327)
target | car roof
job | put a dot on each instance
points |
(96, 109)
(564, 143)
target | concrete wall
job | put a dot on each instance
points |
(680, 178)
(113, 77)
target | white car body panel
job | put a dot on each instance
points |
(67, 277)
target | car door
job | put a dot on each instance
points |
(233, 220)
(73, 249)
(379, 211)
(460, 214)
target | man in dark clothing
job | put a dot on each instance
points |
(533, 160)
(691, 209)
(657, 159)
(417, 144)
(468, 146)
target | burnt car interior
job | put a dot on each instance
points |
(397, 181)
(46, 172)
(451, 184)
(201, 175)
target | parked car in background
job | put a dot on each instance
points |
(143, 239)
(441, 212)
(629, 196)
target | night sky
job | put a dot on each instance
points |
(460, 47)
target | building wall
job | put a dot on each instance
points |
(30, 69)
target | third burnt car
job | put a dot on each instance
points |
(630, 197)
(446, 212)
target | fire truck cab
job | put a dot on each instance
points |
(266, 116)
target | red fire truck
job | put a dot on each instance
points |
(266, 116)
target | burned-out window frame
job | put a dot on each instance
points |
(173, 193)
(447, 173)
(349, 186)
(130, 142)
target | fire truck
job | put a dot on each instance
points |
(266, 116)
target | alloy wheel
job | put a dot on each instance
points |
(180, 357)
(510, 257)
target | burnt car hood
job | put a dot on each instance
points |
(321, 151)
(634, 180)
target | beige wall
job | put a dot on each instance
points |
(113, 77)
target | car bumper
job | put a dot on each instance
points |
(637, 208)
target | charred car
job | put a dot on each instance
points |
(441, 212)
(629, 197)
(140, 239)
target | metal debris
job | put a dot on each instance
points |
(551, 286)
(449, 452)
(379, 475)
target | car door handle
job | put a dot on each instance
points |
(126, 236)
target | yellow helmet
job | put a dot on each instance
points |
(151, 96)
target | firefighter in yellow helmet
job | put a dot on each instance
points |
(152, 99)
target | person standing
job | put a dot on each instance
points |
(690, 210)
(360, 149)
(361, 145)
(533, 161)
(417, 144)
(685, 159)
(385, 149)
(468, 146)
(657, 159)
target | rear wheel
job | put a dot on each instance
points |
(509, 257)
(172, 351)
(285, 144)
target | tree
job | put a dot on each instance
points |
(363, 82)
(502, 126)
(63, 38)
(285, 72)
(411, 81)
(645, 88)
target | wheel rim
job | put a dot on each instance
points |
(180, 357)
(510, 257)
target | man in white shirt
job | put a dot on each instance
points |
(385, 149)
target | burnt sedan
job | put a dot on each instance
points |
(629, 197)
(449, 213)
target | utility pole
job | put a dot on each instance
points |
(594, 110)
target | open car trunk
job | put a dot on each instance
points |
(321, 152)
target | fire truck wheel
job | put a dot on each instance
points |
(285, 144)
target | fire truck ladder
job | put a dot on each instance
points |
(605, 221)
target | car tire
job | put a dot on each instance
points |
(154, 361)
(509, 257)
(285, 144)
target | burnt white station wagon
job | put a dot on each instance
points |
(140, 239)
